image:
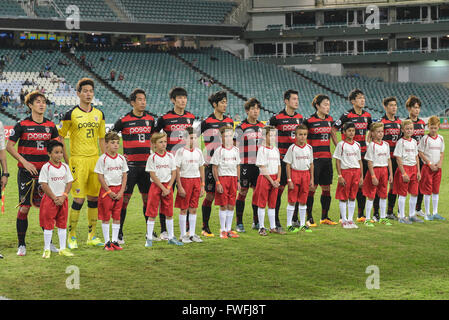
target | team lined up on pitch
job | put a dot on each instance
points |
(375, 161)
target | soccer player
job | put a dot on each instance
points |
(299, 168)
(431, 152)
(55, 179)
(413, 105)
(408, 174)
(211, 135)
(32, 133)
(392, 132)
(4, 170)
(319, 135)
(379, 174)
(112, 171)
(226, 170)
(268, 161)
(190, 183)
(248, 135)
(136, 128)
(162, 168)
(348, 161)
(285, 123)
(173, 123)
(86, 126)
(362, 120)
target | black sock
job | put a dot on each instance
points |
(206, 216)
(21, 226)
(325, 200)
(376, 206)
(295, 213)
(255, 214)
(163, 224)
(122, 221)
(361, 199)
(310, 199)
(278, 206)
(419, 201)
(391, 202)
(144, 215)
(239, 209)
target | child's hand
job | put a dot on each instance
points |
(112, 195)
(342, 181)
(202, 192)
(405, 178)
(418, 176)
(433, 167)
(181, 192)
(291, 186)
(275, 183)
(390, 179)
(311, 183)
(165, 192)
(239, 187)
(361, 182)
(374, 181)
(219, 188)
(59, 200)
(119, 195)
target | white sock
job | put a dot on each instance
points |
(435, 203)
(62, 235)
(302, 214)
(412, 206)
(368, 207)
(343, 205)
(229, 217)
(47, 239)
(150, 228)
(351, 209)
(427, 204)
(182, 224)
(261, 215)
(115, 230)
(383, 208)
(272, 217)
(290, 211)
(169, 223)
(105, 227)
(222, 216)
(192, 224)
(401, 206)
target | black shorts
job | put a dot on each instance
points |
(30, 191)
(138, 175)
(322, 171)
(209, 177)
(283, 180)
(248, 175)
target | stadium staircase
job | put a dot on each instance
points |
(209, 76)
(340, 94)
(96, 76)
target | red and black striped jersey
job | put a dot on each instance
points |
(362, 123)
(319, 135)
(285, 125)
(211, 135)
(419, 129)
(392, 131)
(136, 134)
(174, 126)
(32, 137)
(248, 139)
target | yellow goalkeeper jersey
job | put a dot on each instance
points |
(84, 129)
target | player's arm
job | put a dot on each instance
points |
(312, 168)
(371, 171)
(101, 134)
(341, 180)
(217, 180)
(46, 189)
(102, 143)
(181, 191)
(105, 187)
(203, 180)
(122, 189)
(423, 157)
(390, 171)
(4, 164)
(16, 155)
(418, 168)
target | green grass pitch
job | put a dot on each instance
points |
(330, 263)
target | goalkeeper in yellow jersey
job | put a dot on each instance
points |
(85, 126)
